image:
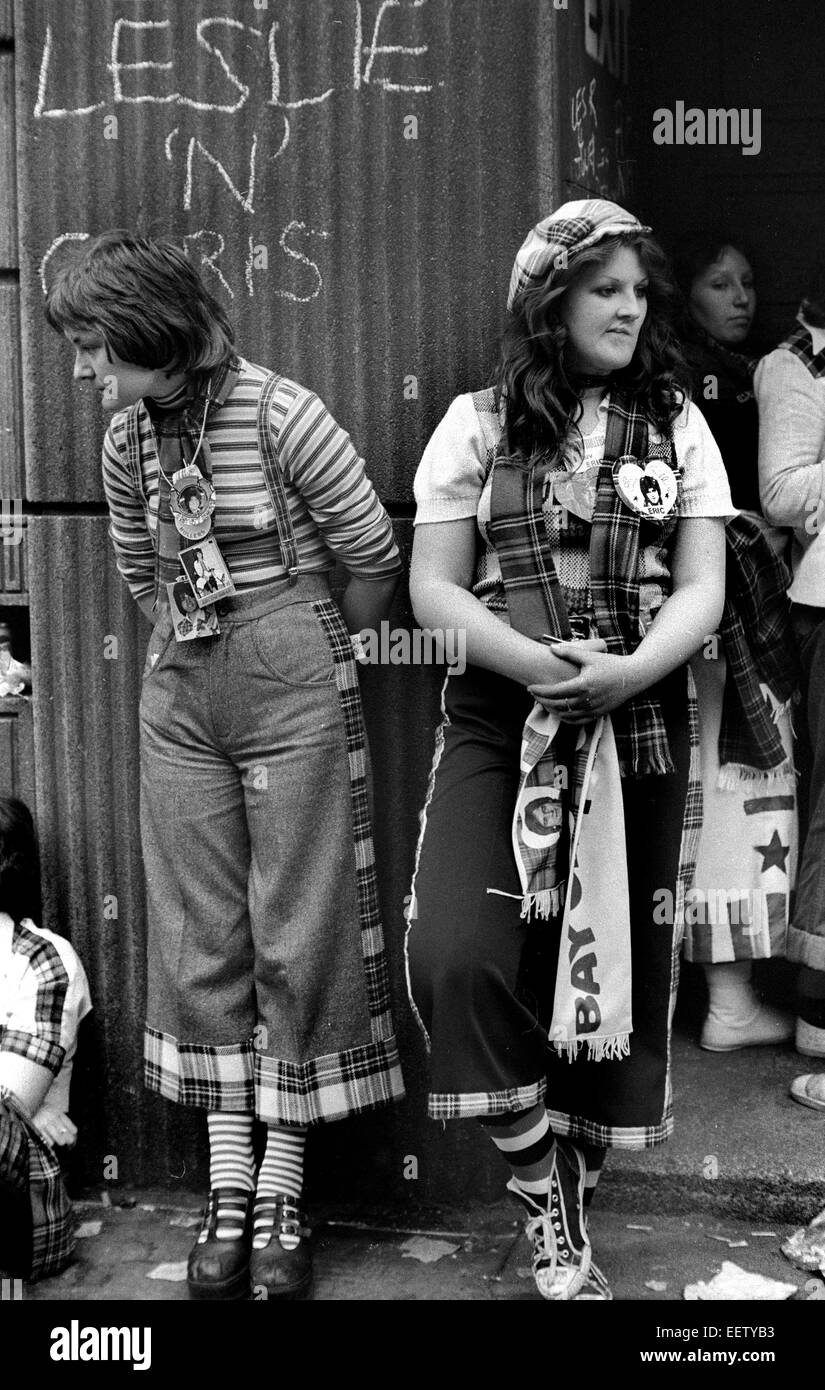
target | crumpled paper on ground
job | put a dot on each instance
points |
(426, 1250)
(806, 1247)
(734, 1282)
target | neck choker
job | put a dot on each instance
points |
(588, 381)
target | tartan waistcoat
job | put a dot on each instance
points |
(518, 532)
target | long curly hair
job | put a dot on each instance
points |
(538, 391)
(19, 862)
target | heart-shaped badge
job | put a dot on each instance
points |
(577, 491)
(650, 490)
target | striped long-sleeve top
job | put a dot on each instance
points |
(336, 514)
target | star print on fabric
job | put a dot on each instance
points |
(774, 853)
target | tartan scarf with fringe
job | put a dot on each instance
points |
(759, 647)
(517, 533)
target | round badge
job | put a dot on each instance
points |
(650, 490)
(192, 500)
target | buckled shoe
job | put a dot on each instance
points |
(280, 1272)
(220, 1268)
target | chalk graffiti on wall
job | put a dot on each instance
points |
(600, 138)
(245, 68)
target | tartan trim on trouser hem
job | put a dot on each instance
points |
(372, 937)
(290, 1093)
(469, 1104)
(53, 1239)
(214, 1078)
(328, 1088)
(610, 1136)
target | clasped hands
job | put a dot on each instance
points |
(596, 684)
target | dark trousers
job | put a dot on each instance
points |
(482, 979)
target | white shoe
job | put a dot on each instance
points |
(765, 1027)
(810, 1041)
(557, 1228)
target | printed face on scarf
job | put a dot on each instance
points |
(723, 299)
(604, 312)
(119, 384)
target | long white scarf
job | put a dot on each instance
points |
(592, 1002)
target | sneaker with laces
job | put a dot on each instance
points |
(595, 1288)
(557, 1228)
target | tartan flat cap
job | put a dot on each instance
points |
(571, 229)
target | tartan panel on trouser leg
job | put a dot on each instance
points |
(372, 937)
(214, 1078)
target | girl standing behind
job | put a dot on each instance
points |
(746, 865)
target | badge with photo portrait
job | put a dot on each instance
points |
(540, 814)
(192, 501)
(190, 621)
(207, 572)
(649, 488)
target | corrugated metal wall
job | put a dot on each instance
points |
(372, 266)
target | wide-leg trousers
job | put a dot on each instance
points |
(482, 979)
(267, 984)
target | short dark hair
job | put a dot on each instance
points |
(700, 248)
(19, 861)
(146, 298)
(646, 485)
(182, 590)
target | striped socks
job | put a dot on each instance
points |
(593, 1159)
(282, 1170)
(231, 1165)
(524, 1138)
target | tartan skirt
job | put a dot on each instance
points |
(482, 979)
(267, 983)
(36, 1226)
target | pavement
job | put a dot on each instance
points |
(746, 1167)
(136, 1249)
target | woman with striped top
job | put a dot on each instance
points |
(254, 767)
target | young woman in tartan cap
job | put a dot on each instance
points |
(543, 957)
(44, 996)
(267, 987)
